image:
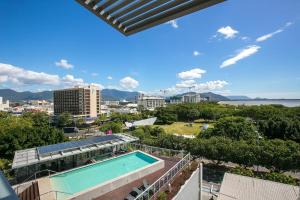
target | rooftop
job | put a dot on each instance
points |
(31, 156)
(247, 188)
(143, 122)
(132, 16)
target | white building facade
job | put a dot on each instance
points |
(4, 106)
(150, 102)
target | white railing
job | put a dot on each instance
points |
(153, 189)
(158, 151)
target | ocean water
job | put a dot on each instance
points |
(284, 102)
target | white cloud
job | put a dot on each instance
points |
(186, 84)
(173, 23)
(288, 24)
(3, 79)
(109, 77)
(246, 52)
(269, 35)
(19, 76)
(94, 74)
(64, 64)
(191, 74)
(101, 87)
(72, 81)
(227, 32)
(197, 53)
(245, 38)
(129, 83)
(196, 87)
(210, 85)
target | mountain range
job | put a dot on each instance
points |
(107, 95)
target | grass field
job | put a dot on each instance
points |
(182, 128)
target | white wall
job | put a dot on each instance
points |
(190, 190)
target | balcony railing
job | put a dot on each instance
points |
(164, 180)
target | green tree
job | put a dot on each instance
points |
(116, 127)
(64, 119)
(234, 127)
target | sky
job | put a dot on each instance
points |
(248, 47)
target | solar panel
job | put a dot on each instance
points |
(132, 16)
(54, 148)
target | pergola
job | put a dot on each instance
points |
(132, 16)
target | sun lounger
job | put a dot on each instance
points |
(137, 190)
(129, 197)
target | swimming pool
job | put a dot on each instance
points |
(95, 179)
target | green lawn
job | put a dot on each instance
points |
(182, 128)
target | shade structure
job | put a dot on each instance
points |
(132, 16)
(53, 148)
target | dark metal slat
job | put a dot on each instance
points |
(115, 25)
(142, 10)
(92, 3)
(119, 6)
(171, 14)
(155, 12)
(130, 8)
(105, 5)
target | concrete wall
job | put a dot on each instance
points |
(190, 190)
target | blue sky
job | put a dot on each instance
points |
(247, 47)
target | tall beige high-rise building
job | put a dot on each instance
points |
(78, 101)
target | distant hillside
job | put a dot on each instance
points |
(211, 96)
(15, 96)
(107, 95)
(214, 97)
(118, 95)
(238, 97)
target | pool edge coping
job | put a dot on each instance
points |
(111, 180)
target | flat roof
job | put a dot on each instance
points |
(248, 188)
(41, 154)
(132, 16)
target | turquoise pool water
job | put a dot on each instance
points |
(89, 176)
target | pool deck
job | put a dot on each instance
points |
(122, 192)
(45, 189)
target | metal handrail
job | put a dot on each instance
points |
(147, 190)
(56, 191)
(29, 178)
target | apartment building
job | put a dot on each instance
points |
(190, 97)
(150, 102)
(4, 106)
(78, 101)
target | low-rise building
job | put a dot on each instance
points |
(150, 102)
(111, 103)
